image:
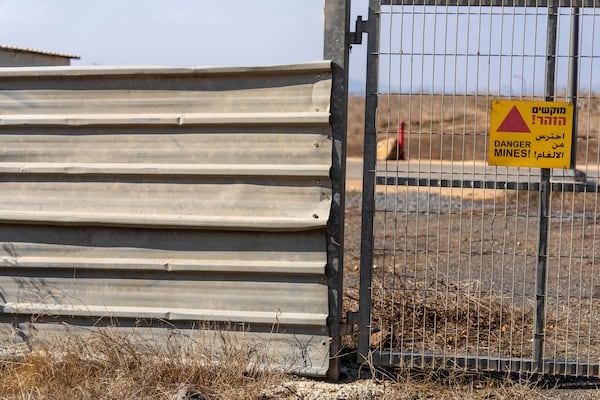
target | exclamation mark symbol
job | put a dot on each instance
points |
(533, 119)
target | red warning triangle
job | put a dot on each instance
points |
(513, 122)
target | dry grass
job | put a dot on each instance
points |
(113, 365)
(438, 316)
(437, 384)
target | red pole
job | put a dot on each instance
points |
(401, 141)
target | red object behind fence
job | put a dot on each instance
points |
(401, 141)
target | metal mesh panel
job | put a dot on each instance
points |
(456, 243)
(573, 299)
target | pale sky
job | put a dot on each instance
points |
(266, 32)
(168, 32)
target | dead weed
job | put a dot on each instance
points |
(114, 365)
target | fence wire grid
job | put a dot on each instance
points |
(455, 255)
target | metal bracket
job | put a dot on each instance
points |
(351, 320)
(359, 28)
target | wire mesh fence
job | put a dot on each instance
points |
(465, 270)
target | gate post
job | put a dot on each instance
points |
(544, 206)
(573, 84)
(336, 31)
(368, 188)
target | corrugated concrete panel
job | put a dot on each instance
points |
(270, 344)
(209, 203)
(190, 196)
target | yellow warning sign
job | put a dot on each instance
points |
(530, 134)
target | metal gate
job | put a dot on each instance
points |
(464, 264)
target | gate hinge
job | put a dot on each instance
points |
(359, 29)
(351, 320)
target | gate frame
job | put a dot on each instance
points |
(537, 364)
